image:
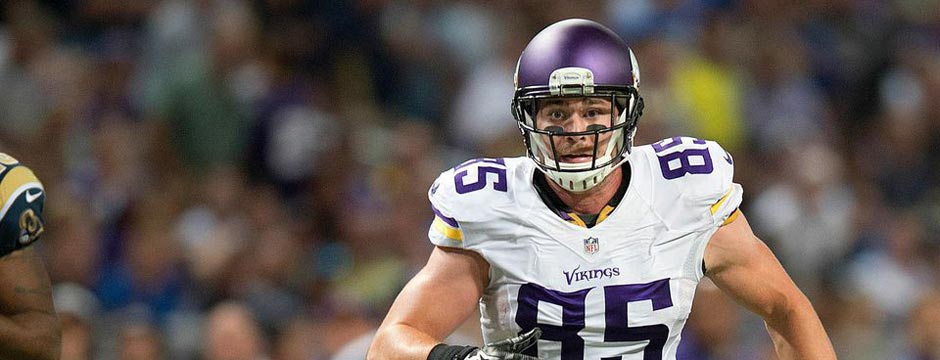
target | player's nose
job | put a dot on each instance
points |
(582, 125)
(577, 123)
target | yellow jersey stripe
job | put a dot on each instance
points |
(604, 213)
(577, 219)
(717, 205)
(732, 217)
(446, 230)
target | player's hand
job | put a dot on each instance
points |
(509, 349)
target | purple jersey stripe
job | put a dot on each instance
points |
(447, 220)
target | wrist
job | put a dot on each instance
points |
(450, 352)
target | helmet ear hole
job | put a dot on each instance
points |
(523, 108)
(621, 103)
(531, 108)
(640, 104)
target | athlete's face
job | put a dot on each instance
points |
(576, 115)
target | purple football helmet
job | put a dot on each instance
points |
(573, 59)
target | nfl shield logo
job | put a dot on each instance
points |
(590, 245)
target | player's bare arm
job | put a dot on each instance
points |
(29, 328)
(745, 269)
(434, 303)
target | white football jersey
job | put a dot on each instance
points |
(621, 289)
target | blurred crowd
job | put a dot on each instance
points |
(233, 179)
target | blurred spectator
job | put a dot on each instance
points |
(31, 36)
(213, 231)
(140, 341)
(209, 95)
(146, 270)
(115, 177)
(857, 330)
(903, 271)
(782, 105)
(675, 19)
(480, 115)
(42, 81)
(300, 340)
(807, 215)
(713, 324)
(420, 77)
(270, 269)
(923, 334)
(78, 309)
(74, 250)
(898, 157)
(291, 137)
(231, 333)
(480, 120)
(709, 88)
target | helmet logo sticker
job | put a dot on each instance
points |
(571, 81)
(30, 227)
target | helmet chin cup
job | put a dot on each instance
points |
(581, 177)
(581, 181)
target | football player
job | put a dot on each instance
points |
(29, 327)
(588, 248)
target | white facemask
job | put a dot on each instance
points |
(580, 177)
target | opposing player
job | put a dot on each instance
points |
(588, 248)
(29, 327)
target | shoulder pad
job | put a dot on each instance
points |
(477, 190)
(21, 202)
(688, 182)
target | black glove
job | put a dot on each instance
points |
(508, 349)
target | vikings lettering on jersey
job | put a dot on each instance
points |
(21, 202)
(621, 289)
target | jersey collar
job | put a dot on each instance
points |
(550, 199)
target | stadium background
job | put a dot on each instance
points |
(247, 179)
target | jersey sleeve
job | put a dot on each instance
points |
(718, 193)
(470, 203)
(445, 230)
(717, 200)
(692, 190)
(21, 203)
(695, 188)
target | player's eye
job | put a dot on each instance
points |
(557, 115)
(591, 113)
